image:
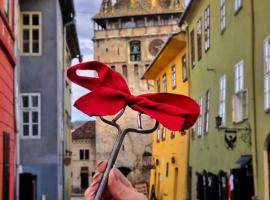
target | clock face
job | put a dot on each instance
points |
(154, 46)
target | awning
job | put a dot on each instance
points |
(243, 160)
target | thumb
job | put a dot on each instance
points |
(119, 190)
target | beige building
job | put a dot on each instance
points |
(83, 156)
(127, 36)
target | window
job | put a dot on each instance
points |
(125, 71)
(239, 76)
(6, 8)
(206, 112)
(192, 48)
(200, 118)
(173, 77)
(164, 82)
(267, 74)
(84, 154)
(6, 166)
(207, 28)
(31, 33)
(222, 99)
(199, 38)
(184, 68)
(158, 134)
(30, 112)
(172, 134)
(163, 133)
(136, 70)
(222, 15)
(237, 5)
(158, 85)
(239, 98)
(135, 50)
(167, 169)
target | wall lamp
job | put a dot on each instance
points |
(230, 137)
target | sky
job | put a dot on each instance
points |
(85, 10)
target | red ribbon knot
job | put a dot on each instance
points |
(110, 93)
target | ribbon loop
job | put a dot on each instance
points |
(110, 93)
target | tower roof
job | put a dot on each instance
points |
(138, 7)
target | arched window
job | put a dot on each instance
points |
(135, 50)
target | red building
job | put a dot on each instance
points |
(7, 111)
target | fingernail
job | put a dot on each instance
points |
(92, 193)
(99, 163)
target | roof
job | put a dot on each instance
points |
(185, 13)
(86, 131)
(169, 50)
(135, 7)
(68, 14)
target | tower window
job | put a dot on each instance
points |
(135, 50)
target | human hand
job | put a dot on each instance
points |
(118, 188)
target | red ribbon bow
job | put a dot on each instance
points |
(110, 93)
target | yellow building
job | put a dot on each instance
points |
(170, 149)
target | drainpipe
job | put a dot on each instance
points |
(254, 138)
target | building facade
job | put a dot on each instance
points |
(83, 156)
(127, 36)
(48, 42)
(261, 52)
(7, 100)
(220, 66)
(170, 149)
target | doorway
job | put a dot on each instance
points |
(27, 188)
(84, 178)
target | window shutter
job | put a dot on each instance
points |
(233, 108)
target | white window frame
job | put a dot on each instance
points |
(30, 28)
(29, 110)
(163, 133)
(222, 15)
(207, 28)
(240, 107)
(222, 99)
(239, 77)
(164, 82)
(207, 111)
(173, 77)
(266, 51)
(158, 134)
(200, 118)
(237, 5)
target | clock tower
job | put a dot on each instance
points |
(127, 36)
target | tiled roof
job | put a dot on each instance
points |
(86, 131)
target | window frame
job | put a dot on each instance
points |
(158, 134)
(30, 110)
(222, 98)
(184, 68)
(199, 38)
(207, 111)
(164, 82)
(238, 4)
(266, 57)
(239, 76)
(222, 15)
(207, 28)
(7, 8)
(192, 49)
(163, 134)
(158, 86)
(200, 118)
(30, 28)
(138, 55)
(82, 156)
(173, 77)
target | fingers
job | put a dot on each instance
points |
(122, 178)
(101, 166)
(121, 191)
(91, 190)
